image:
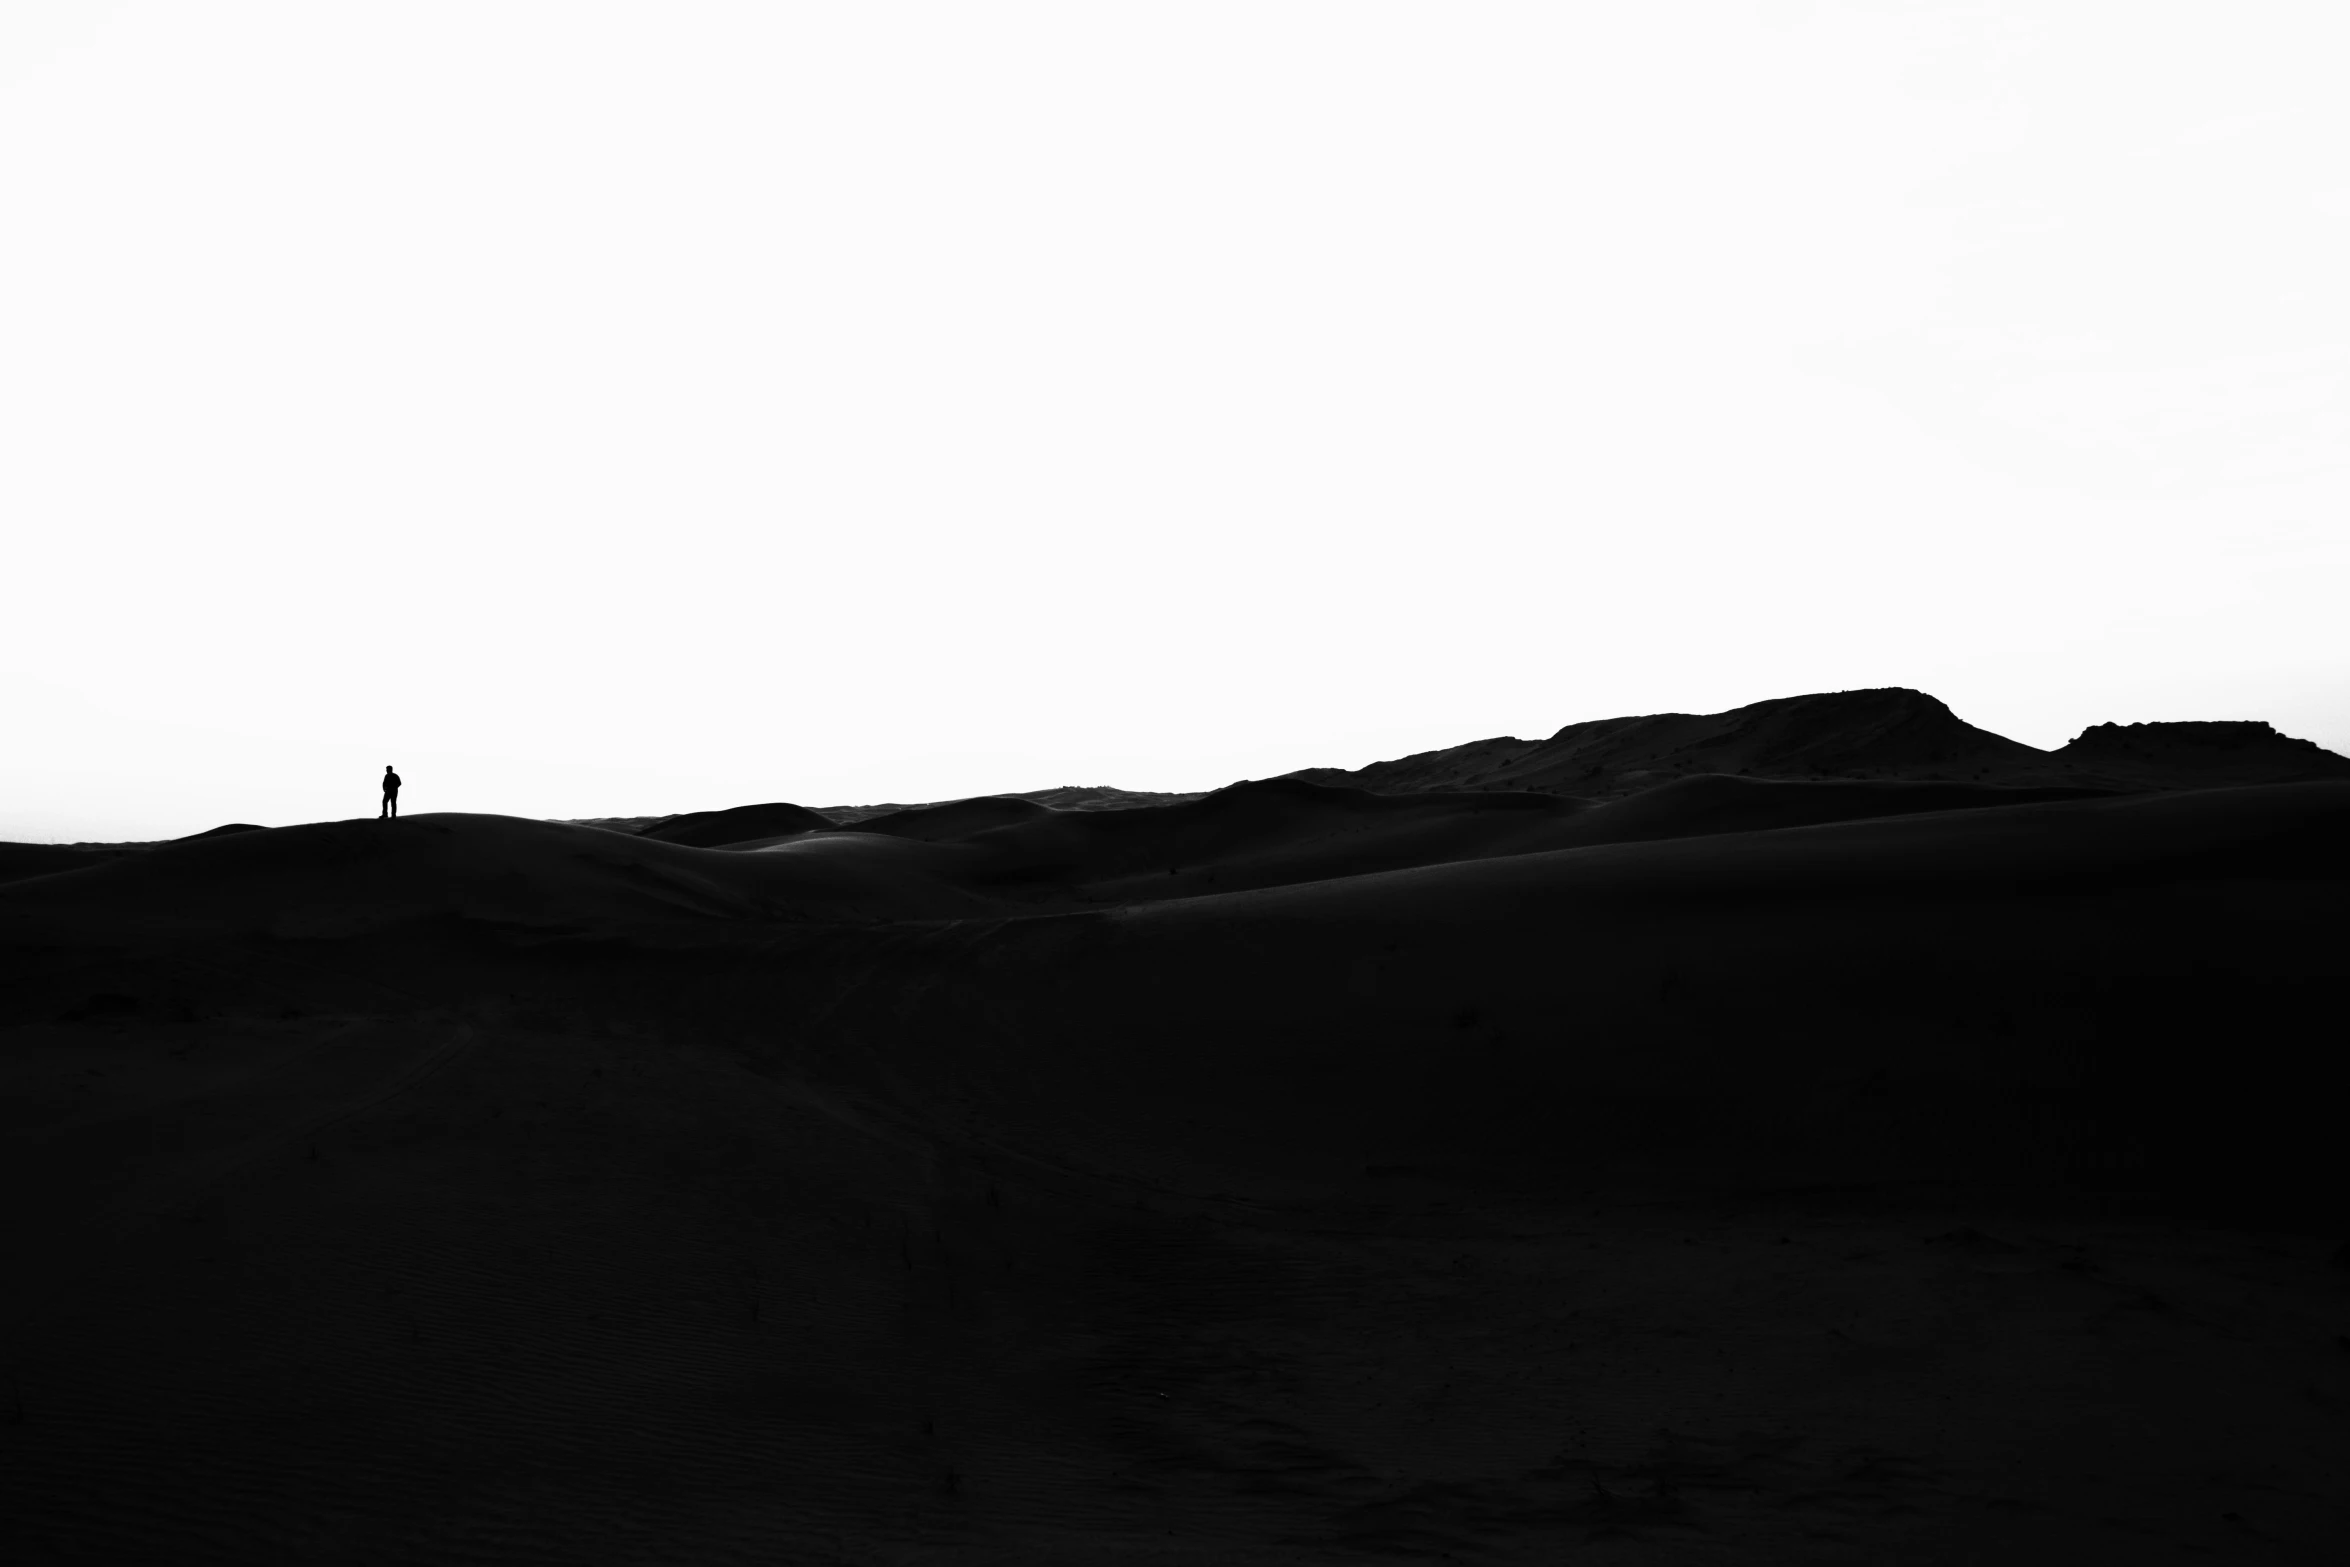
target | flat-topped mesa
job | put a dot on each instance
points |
(1889, 732)
(2227, 734)
(1878, 735)
(2221, 750)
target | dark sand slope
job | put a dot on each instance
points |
(333, 879)
(971, 857)
(1068, 797)
(20, 860)
(1707, 803)
(1950, 1187)
(1252, 834)
(711, 829)
(957, 819)
(1282, 831)
(1975, 996)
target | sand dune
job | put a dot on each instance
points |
(711, 829)
(19, 860)
(1717, 1009)
(1068, 797)
(335, 879)
(1729, 1170)
(1283, 831)
(966, 859)
(957, 819)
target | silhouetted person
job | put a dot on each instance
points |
(391, 791)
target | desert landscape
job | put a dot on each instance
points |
(1822, 1132)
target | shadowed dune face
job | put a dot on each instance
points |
(332, 879)
(958, 819)
(713, 829)
(1069, 797)
(1252, 834)
(1284, 831)
(21, 860)
(2017, 997)
(971, 858)
(1629, 1001)
(1735, 1171)
(1710, 803)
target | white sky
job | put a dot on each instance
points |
(616, 408)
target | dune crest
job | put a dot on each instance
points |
(713, 829)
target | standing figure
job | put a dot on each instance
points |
(391, 792)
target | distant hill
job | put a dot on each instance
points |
(1890, 733)
(1886, 735)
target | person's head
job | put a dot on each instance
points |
(387, 767)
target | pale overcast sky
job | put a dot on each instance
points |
(622, 408)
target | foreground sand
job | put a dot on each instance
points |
(1958, 1187)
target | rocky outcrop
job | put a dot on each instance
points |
(2188, 755)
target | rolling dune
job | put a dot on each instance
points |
(345, 878)
(711, 829)
(1737, 1170)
